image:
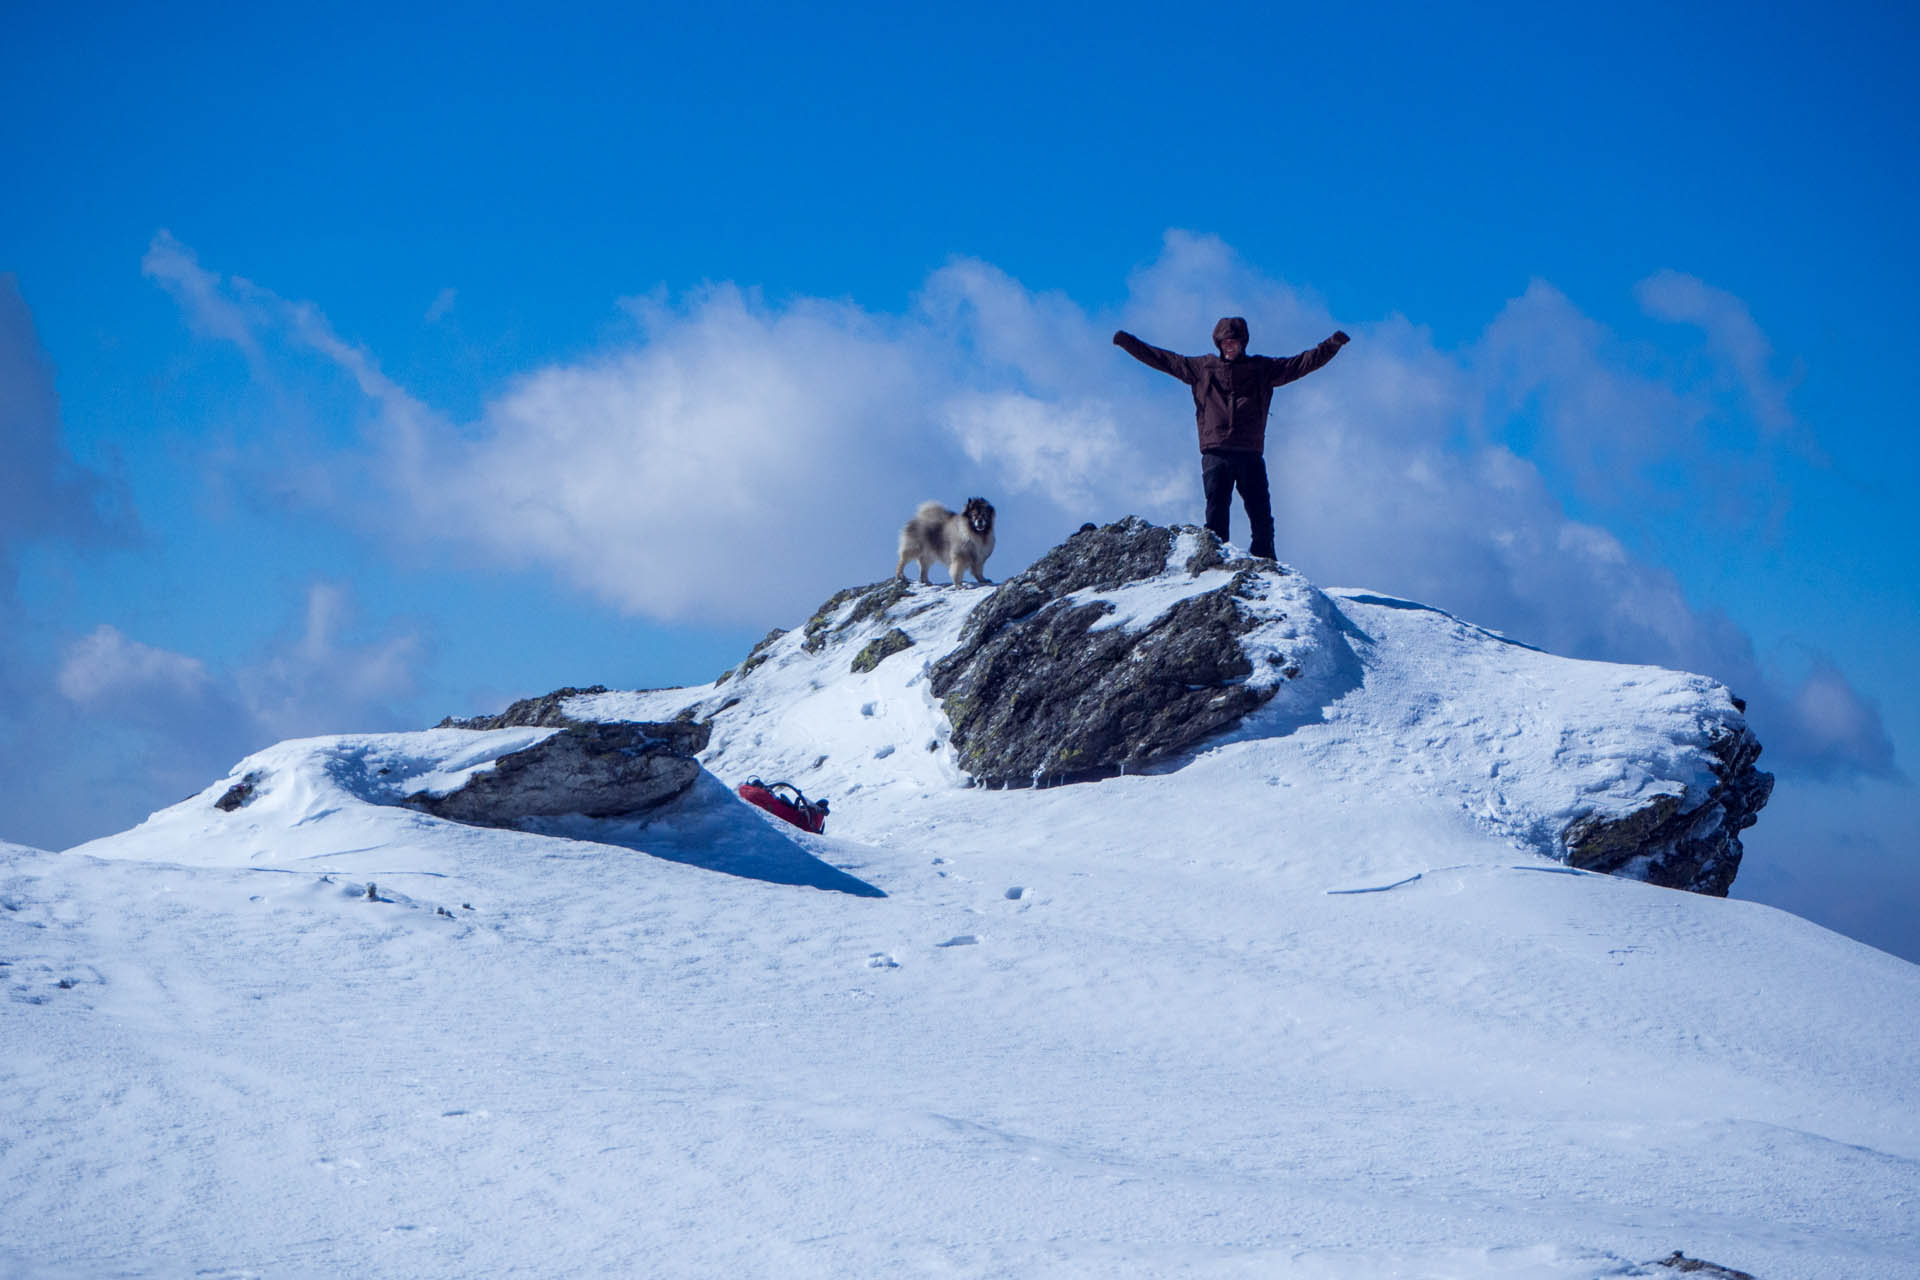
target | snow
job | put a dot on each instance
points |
(1315, 1003)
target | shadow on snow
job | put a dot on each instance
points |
(1414, 606)
(712, 828)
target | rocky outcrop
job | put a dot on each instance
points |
(541, 712)
(1678, 1261)
(754, 658)
(1669, 843)
(598, 770)
(872, 601)
(1038, 692)
(239, 794)
(879, 649)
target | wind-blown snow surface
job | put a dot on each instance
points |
(1310, 1005)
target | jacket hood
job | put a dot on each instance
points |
(1230, 327)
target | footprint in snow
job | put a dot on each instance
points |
(881, 960)
(346, 1170)
(959, 940)
(1016, 893)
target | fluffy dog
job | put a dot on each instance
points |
(961, 541)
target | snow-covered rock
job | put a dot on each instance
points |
(296, 798)
(1669, 842)
(594, 770)
(1120, 649)
(545, 711)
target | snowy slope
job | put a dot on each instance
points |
(1314, 1003)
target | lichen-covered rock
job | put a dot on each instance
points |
(880, 648)
(755, 656)
(874, 599)
(1668, 842)
(1038, 690)
(598, 770)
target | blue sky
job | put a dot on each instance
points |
(362, 369)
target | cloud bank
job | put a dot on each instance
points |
(734, 460)
(45, 494)
(313, 681)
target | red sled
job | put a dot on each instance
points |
(784, 800)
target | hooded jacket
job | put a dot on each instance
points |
(1230, 397)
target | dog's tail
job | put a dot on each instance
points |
(931, 512)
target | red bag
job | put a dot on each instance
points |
(784, 800)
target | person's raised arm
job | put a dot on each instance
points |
(1290, 367)
(1155, 357)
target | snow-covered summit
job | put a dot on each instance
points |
(1141, 649)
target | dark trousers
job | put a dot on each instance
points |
(1220, 471)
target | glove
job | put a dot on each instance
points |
(1339, 338)
(1117, 335)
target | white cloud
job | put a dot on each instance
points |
(1073, 455)
(118, 684)
(1731, 332)
(106, 666)
(1197, 279)
(1606, 422)
(216, 307)
(1838, 725)
(314, 682)
(321, 683)
(741, 444)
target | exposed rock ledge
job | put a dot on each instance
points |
(1698, 849)
(1044, 687)
(599, 770)
(543, 711)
